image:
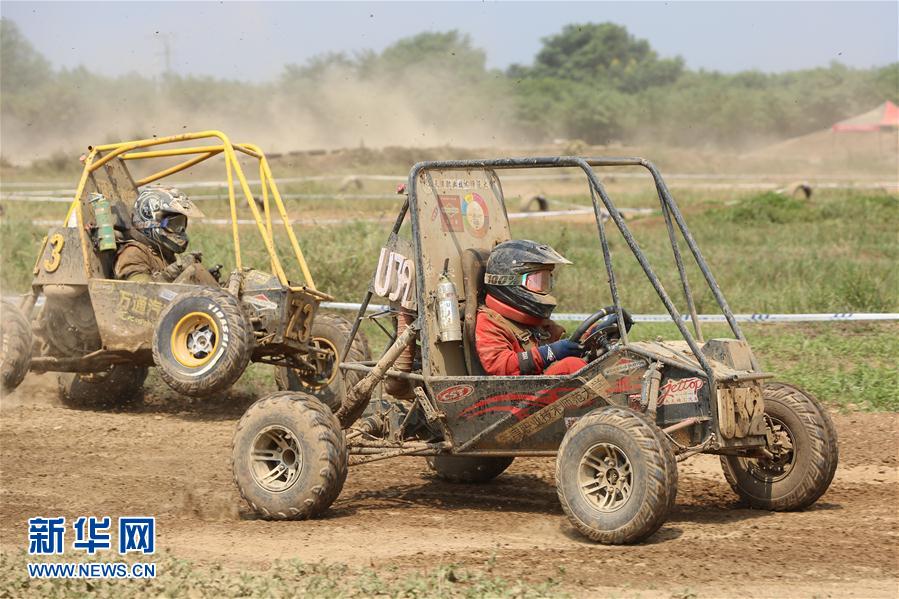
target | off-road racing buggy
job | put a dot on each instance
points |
(617, 427)
(102, 334)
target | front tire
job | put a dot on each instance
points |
(289, 456)
(328, 384)
(203, 342)
(121, 385)
(616, 476)
(468, 469)
(16, 341)
(806, 454)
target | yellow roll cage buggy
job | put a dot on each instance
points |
(102, 155)
(118, 317)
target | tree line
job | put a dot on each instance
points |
(592, 82)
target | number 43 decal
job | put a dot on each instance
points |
(52, 262)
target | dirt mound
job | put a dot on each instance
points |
(867, 150)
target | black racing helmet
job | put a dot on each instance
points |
(519, 273)
(161, 214)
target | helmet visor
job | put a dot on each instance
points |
(176, 223)
(539, 281)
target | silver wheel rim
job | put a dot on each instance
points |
(605, 477)
(769, 470)
(201, 342)
(277, 459)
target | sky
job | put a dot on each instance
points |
(254, 40)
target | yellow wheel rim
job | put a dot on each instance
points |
(326, 368)
(195, 339)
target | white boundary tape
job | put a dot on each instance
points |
(618, 174)
(44, 222)
(574, 316)
(45, 197)
(760, 318)
(14, 193)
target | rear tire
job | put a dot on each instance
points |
(808, 462)
(203, 342)
(329, 384)
(616, 476)
(289, 456)
(16, 342)
(121, 385)
(468, 469)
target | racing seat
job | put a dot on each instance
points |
(474, 263)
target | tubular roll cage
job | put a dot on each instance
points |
(670, 212)
(97, 156)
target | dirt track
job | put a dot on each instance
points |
(172, 460)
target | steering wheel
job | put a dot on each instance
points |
(604, 325)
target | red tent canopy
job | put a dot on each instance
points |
(885, 116)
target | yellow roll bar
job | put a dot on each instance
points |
(135, 150)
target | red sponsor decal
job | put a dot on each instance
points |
(450, 211)
(680, 391)
(455, 393)
(520, 404)
(627, 385)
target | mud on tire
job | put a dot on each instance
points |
(289, 456)
(468, 469)
(16, 341)
(203, 342)
(798, 478)
(329, 386)
(121, 385)
(616, 476)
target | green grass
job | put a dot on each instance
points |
(848, 365)
(819, 260)
(177, 577)
(769, 253)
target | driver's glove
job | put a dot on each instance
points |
(563, 348)
(169, 274)
(192, 258)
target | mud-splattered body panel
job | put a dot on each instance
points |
(532, 413)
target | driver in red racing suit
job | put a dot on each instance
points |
(513, 334)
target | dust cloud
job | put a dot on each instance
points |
(336, 110)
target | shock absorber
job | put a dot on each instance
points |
(402, 388)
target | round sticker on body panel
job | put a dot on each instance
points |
(477, 218)
(454, 393)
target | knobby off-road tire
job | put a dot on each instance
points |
(121, 385)
(16, 341)
(468, 469)
(203, 342)
(289, 456)
(616, 476)
(331, 333)
(803, 474)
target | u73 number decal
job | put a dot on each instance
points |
(52, 262)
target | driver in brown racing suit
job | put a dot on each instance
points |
(513, 333)
(158, 235)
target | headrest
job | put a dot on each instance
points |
(121, 216)
(474, 263)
